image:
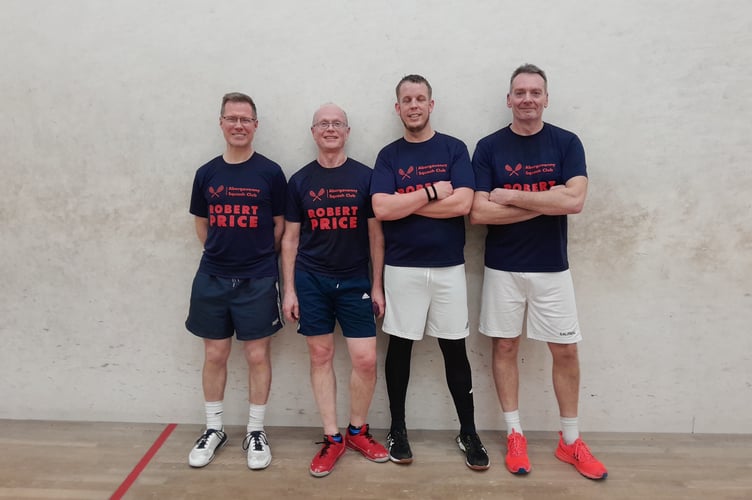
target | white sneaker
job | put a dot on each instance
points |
(259, 451)
(203, 451)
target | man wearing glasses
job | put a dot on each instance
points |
(422, 188)
(330, 232)
(238, 203)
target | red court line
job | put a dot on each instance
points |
(141, 465)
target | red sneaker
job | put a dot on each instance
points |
(365, 444)
(323, 463)
(516, 459)
(579, 455)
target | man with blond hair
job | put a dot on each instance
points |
(422, 188)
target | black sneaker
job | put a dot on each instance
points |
(399, 447)
(476, 456)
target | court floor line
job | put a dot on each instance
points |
(141, 465)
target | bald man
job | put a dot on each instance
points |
(330, 233)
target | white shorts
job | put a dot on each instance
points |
(430, 300)
(551, 308)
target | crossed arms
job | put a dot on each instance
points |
(507, 206)
(450, 203)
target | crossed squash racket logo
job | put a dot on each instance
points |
(514, 171)
(215, 192)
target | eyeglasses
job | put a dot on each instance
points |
(326, 125)
(244, 120)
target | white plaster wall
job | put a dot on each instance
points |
(108, 108)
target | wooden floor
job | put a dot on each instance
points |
(75, 460)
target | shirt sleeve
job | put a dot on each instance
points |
(279, 193)
(199, 206)
(462, 169)
(482, 168)
(293, 211)
(382, 179)
(574, 160)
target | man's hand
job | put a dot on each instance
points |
(444, 189)
(290, 307)
(501, 196)
(379, 302)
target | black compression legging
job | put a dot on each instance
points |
(397, 372)
(458, 376)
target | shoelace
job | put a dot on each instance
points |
(516, 446)
(327, 443)
(204, 439)
(254, 437)
(474, 444)
(397, 438)
(367, 435)
(582, 452)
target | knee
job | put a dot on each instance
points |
(321, 355)
(564, 354)
(256, 353)
(217, 353)
(364, 364)
(506, 348)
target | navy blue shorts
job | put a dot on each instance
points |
(323, 300)
(223, 306)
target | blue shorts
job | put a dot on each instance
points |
(223, 306)
(323, 300)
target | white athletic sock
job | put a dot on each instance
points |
(512, 418)
(255, 417)
(214, 410)
(570, 430)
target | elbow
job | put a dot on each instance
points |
(464, 201)
(380, 214)
(475, 218)
(379, 211)
(284, 247)
(465, 207)
(571, 206)
(288, 243)
(577, 207)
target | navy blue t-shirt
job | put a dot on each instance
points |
(333, 206)
(240, 201)
(401, 167)
(530, 163)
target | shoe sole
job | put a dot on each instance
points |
(519, 472)
(319, 474)
(211, 459)
(401, 461)
(322, 473)
(261, 467)
(566, 460)
(379, 460)
(327, 472)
